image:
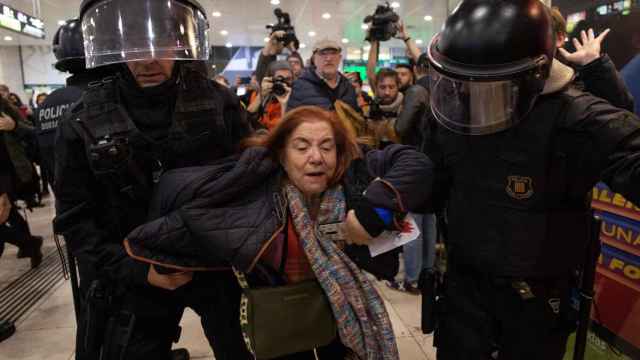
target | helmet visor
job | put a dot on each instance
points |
(474, 107)
(117, 31)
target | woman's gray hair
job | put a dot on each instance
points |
(278, 65)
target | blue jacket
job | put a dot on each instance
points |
(310, 89)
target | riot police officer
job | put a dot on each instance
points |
(160, 112)
(518, 150)
(68, 49)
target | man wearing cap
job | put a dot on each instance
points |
(322, 84)
(160, 112)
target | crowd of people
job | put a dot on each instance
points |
(256, 211)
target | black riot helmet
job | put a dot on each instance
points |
(490, 62)
(68, 47)
(118, 31)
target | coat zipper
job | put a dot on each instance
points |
(280, 211)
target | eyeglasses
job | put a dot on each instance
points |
(328, 52)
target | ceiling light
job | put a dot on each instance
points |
(266, 39)
(224, 32)
(228, 45)
(364, 26)
(8, 38)
(61, 22)
(428, 18)
(395, 4)
(419, 41)
(345, 41)
(216, 14)
(312, 33)
(303, 45)
(275, 2)
(326, 16)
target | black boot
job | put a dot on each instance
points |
(19, 234)
(32, 249)
(35, 252)
(180, 354)
(6, 330)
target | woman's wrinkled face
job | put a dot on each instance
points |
(310, 157)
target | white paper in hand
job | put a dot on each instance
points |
(390, 240)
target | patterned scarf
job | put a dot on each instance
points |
(363, 322)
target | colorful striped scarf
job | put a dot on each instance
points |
(363, 322)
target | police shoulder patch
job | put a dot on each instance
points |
(520, 187)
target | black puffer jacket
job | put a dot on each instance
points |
(213, 216)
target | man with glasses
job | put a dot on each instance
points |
(322, 84)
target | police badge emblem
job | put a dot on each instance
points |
(520, 187)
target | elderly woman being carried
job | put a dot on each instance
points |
(292, 211)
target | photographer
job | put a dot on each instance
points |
(398, 31)
(385, 107)
(270, 103)
(270, 52)
(282, 37)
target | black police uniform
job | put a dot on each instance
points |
(47, 117)
(516, 199)
(517, 211)
(53, 109)
(68, 49)
(112, 147)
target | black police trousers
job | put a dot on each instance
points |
(214, 296)
(480, 317)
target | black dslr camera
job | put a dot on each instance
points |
(279, 88)
(376, 113)
(284, 24)
(384, 23)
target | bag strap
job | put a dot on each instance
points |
(244, 311)
(242, 280)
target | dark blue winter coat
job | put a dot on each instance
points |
(310, 89)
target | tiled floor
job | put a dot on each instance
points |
(48, 331)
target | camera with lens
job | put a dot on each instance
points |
(279, 88)
(284, 24)
(383, 23)
(376, 113)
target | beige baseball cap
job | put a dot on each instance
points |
(326, 44)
